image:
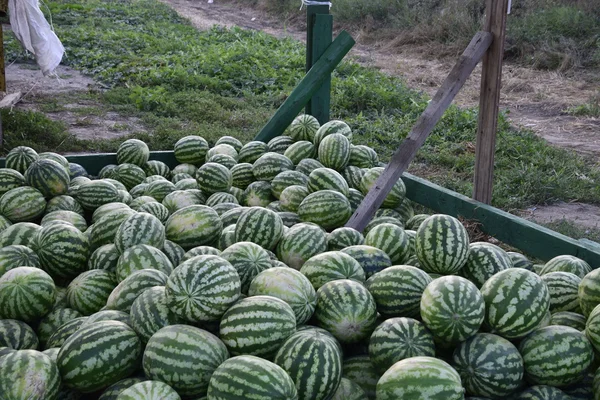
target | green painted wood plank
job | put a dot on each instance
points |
(322, 29)
(527, 236)
(311, 12)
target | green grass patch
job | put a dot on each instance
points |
(591, 108)
(180, 81)
(571, 229)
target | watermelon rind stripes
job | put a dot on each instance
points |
(133, 151)
(20, 158)
(344, 237)
(563, 288)
(484, 260)
(330, 266)
(279, 144)
(142, 256)
(261, 226)
(269, 165)
(331, 127)
(28, 374)
(308, 165)
(21, 233)
(334, 151)
(371, 259)
(59, 337)
(48, 176)
(193, 226)
(362, 156)
(327, 179)
(104, 257)
(125, 293)
(360, 370)
(392, 240)
(22, 204)
(252, 151)
(395, 196)
(52, 321)
(89, 291)
(149, 390)
(140, 228)
(588, 291)
(93, 194)
(326, 208)
(304, 127)
(213, 178)
(114, 390)
(567, 263)
(149, 313)
(108, 315)
(348, 390)
(17, 335)
(248, 259)
(26, 294)
(300, 243)
(569, 318)
(17, 256)
(300, 150)
(191, 150)
(258, 194)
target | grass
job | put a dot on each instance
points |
(180, 81)
(591, 108)
(574, 231)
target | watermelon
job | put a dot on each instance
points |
(28, 374)
(327, 179)
(17, 256)
(157, 168)
(348, 390)
(360, 369)
(415, 221)
(308, 165)
(516, 301)
(173, 251)
(68, 217)
(354, 175)
(133, 151)
(520, 261)
(142, 256)
(114, 390)
(159, 189)
(330, 128)
(346, 309)
(330, 266)
(125, 293)
(392, 240)
(304, 127)
(213, 177)
(89, 291)
(570, 356)
(241, 175)
(140, 228)
(252, 151)
(17, 335)
(442, 244)
(93, 194)
(371, 259)
(222, 149)
(149, 313)
(22, 204)
(88, 370)
(108, 209)
(179, 199)
(300, 243)
(269, 165)
(105, 229)
(156, 209)
(193, 226)
(48, 155)
(107, 171)
(149, 390)
(563, 288)
(66, 203)
(568, 318)
(286, 179)
(397, 339)
(48, 176)
(489, 366)
(288, 285)
(231, 217)
(420, 378)
(280, 144)
(300, 150)
(186, 183)
(257, 326)
(138, 190)
(541, 392)
(334, 151)
(383, 220)
(258, 194)
(21, 233)
(249, 259)
(344, 237)
(326, 208)
(249, 377)
(483, 261)
(363, 157)
(452, 308)
(219, 198)
(223, 159)
(185, 168)
(20, 158)
(191, 150)
(26, 294)
(184, 357)
(4, 223)
(202, 288)
(108, 315)
(230, 140)
(588, 292)
(140, 201)
(129, 175)
(398, 290)
(292, 196)
(567, 263)
(396, 195)
(261, 226)
(63, 250)
(319, 378)
(200, 251)
(355, 198)
(52, 321)
(58, 338)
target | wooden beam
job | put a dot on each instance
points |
(489, 100)
(307, 87)
(321, 36)
(425, 124)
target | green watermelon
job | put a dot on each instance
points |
(149, 313)
(49, 177)
(261, 226)
(48, 155)
(334, 151)
(105, 229)
(326, 208)
(371, 259)
(292, 196)
(125, 293)
(520, 261)
(330, 266)
(396, 195)
(63, 250)
(308, 165)
(149, 390)
(567, 263)
(222, 148)
(223, 159)
(108, 315)
(4, 223)
(304, 127)
(191, 150)
(58, 338)
(348, 390)
(354, 175)
(300, 243)
(563, 288)
(180, 199)
(129, 175)
(186, 183)
(392, 240)
(52, 321)
(142, 256)
(300, 150)
(17, 256)
(68, 217)
(20, 158)
(280, 144)
(89, 291)
(160, 189)
(269, 165)
(26, 294)
(17, 335)
(541, 392)
(344, 237)
(157, 168)
(114, 390)
(330, 128)
(241, 175)
(568, 318)
(484, 260)
(22, 204)
(21, 233)
(252, 151)
(286, 179)
(415, 221)
(28, 374)
(258, 194)
(589, 292)
(140, 228)
(360, 370)
(363, 157)
(93, 194)
(327, 179)
(158, 210)
(185, 168)
(219, 198)
(193, 226)
(107, 171)
(249, 259)
(133, 151)
(64, 202)
(213, 177)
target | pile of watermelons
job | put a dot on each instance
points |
(231, 276)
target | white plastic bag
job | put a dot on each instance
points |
(35, 34)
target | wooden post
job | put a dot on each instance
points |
(307, 87)
(319, 34)
(425, 124)
(495, 22)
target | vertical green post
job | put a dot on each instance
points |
(319, 35)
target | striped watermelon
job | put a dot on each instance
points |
(398, 290)
(241, 175)
(392, 240)
(116, 183)
(258, 194)
(68, 217)
(304, 127)
(20, 158)
(308, 165)
(300, 243)
(114, 390)
(389, 212)
(17, 335)
(331, 266)
(88, 292)
(346, 309)
(106, 171)
(541, 392)
(354, 175)
(93, 194)
(184, 357)
(394, 198)
(252, 151)
(300, 150)
(406, 210)
(568, 318)
(516, 301)
(261, 226)
(28, 374)
(133, 151)
(416, 220)
(213, 177)
(160, 189)
(292, 196)
(348, 390)
(125, 293)
(185, 168)
(452, 308)
(248, 259)
(334, 151)
(17, 256)
(173, 251)
(149, 390)
(288, 285)
(219, 198)
(420, 378)
(4, 223)
(193, 226)
(520, 261)
(129, 175)
(49, 177)
(589, 292)
(360, 370)
(191, 150)
(149, 313)
(26, 294)
(138, 190)
(52, 321)
(280, 144)
(371, 259)
(274, 206)
(567, 263)
(158, 210)
(231, 217)
(363, 157)
(202, 288)
(63, 250)
(257, 326)
(442, 244)
(286, 179)
(319, 378)
(331, 127)
(223, 159)
(66, 203)
(186, 183)
(64, 331)
(222, 149)
(21, 233)
(355, 198)
(327, 179)
(563, 288)
(22, 204)
(105, 229)
(157, 168)
(269, 165)
(382, 220)
(489, 366)
(200, 251)
(571, 355)
(230, 140)
(249, 377)
(326, 208)
(89, 370)
(592, 327)
(344, 237)
(48, 155)
(108, 315)
(140, 228)
(179, 199)
(108, 209)
(483, 261)
(397, 339)
(142, 256)
(222, 208)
